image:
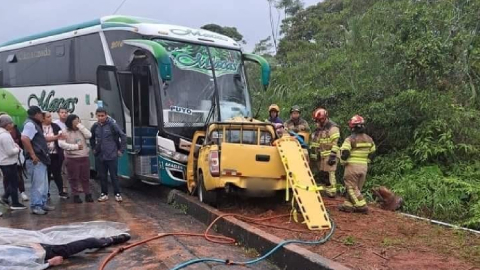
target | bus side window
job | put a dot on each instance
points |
(60, 50)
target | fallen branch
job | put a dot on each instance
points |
(380, 256)
(338, 255)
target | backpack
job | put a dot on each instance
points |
(113, 130)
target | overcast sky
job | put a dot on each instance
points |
(25, 17)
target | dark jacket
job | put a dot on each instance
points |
(56, 129)
(275, 120)
(17, 136)
(297, 125)
(107, 140)
(39, 143)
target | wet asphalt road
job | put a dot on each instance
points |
(146, 213)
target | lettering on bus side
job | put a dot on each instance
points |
(181, 110)
(195, 33)
(173, 166)
(116, 44)
(50, 103)
(36, 54)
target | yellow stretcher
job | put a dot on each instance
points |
(300, 179)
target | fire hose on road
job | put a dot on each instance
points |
(222, 240)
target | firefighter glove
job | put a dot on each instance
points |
(345, 154)
(332, 159)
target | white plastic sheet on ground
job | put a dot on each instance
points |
(20, 249)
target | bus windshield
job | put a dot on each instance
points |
(188, 98)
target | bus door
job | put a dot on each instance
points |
(110, 97)
(145, 124)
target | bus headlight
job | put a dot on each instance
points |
(182, 158)
(165, 152)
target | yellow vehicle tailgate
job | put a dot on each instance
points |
(251, 160)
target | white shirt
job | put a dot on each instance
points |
(60, 124)
(48, 132)
(29, 130)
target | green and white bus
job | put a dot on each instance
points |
(160, 83)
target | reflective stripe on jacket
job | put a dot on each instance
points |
(360, 146)
(325, 140)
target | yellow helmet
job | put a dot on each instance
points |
(274, 107)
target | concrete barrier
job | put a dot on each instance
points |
(290, 257)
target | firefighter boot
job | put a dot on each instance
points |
(346, 207)
(360, 205)
(361, 209)
(331, 189)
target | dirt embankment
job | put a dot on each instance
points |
(379, 240)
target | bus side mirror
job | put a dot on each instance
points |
(160, 54)
(266, 70)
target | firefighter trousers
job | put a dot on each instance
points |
(354, 177)
(327, 176)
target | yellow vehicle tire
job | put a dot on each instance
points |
(208, 197)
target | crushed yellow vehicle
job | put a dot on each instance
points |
(235, 156)
(246, 156)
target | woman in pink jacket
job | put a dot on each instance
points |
(76, 157)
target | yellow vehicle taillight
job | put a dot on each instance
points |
(214, 163)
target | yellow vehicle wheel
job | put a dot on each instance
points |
(208, 197)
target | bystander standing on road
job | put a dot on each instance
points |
(9, 151)
(37, 160)
(77, 161)
(108, 143)
(62, 118)
(54, 170)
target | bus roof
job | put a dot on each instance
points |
(117, 22)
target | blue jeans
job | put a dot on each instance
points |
(105, 167)
(39, 190)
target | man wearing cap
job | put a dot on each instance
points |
(296, 123)
(37, 159)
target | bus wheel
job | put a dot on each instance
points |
(208, 197)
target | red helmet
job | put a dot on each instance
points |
(320, 114)
(355, 121)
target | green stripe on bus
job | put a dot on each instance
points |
(123, 19)
(116, 25)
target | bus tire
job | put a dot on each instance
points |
(208, 197)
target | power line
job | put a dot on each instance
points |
(123, 2)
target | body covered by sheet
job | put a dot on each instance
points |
(20, 249)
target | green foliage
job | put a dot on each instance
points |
(264, 47)
(291, 7)
(231, 32)
(349, 241)
(412, 69)
(430, 192)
